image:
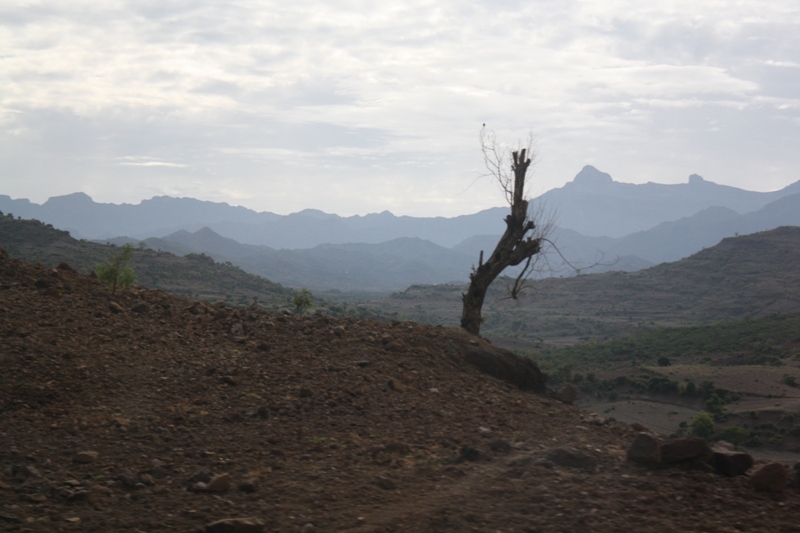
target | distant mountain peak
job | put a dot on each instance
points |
(314, 213)
(696, 179)
(589, 175)
(74, 198)
(206, 231)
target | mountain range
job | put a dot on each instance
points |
(592, 204)
(401, 262)
(600, 223)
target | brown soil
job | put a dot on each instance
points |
(347, 425)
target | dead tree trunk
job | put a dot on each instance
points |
(517, 244)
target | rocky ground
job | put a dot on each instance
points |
(147, 412)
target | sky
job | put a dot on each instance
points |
(355, 107)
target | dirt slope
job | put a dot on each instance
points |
(346, 425)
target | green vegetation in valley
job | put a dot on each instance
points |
(758, 341)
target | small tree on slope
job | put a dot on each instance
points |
(115, 271)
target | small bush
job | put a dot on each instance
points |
(303, 301)
(735, 435)
(664, 361)
(115, 271)
(702, 425)
(754, 440)
(769, 427)
(707, 388)
(663, 385)
(714, 405)
(562, 374)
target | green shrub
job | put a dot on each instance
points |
(303, 301)
(562, 374)
(702, 425)
(707, 388)
(754, 440)
(735, 435)
(115, 271)
(663, 385)
(664, 361)
(769, 427)
(714, 405)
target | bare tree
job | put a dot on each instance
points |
(523, 239)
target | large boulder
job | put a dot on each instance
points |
(507, 366)
(685, 449)
(729, 462)
(772, 477)
(646, 449)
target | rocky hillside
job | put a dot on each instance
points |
(195, 275)
(746, 276)
(149, 412)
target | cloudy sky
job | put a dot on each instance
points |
(354, 107)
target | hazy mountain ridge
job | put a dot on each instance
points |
(85, 218)
(595, 205)
(395, 264)
(392, 265)
(668, 241)
(317, 250)
(591, 204)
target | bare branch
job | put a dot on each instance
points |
(526, 240)
(520, 241)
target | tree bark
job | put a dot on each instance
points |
(514, 247)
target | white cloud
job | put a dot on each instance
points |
(787, 64)
(150, 164)
(376, 106)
